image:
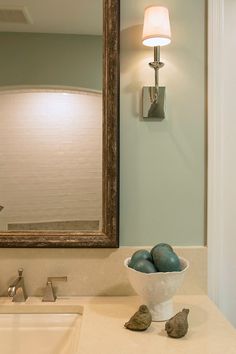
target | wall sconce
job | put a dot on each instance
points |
(156, 33)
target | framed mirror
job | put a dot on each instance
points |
(59, 124)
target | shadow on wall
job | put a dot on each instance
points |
(131, 38)
(131, 44)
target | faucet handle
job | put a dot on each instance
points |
(49, 294)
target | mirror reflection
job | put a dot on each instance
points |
(51, 115)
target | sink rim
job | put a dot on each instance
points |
(34, 305)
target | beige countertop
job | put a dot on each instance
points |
(102, 330)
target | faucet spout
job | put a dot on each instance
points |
(17, 289)
(11, 291)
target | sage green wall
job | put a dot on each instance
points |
(163, 163)
(51, 59)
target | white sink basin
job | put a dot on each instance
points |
(39, 333)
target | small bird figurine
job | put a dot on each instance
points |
(177, 326)
(141, 320)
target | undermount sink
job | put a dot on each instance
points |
(40, 333)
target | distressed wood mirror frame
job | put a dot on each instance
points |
(109, 235)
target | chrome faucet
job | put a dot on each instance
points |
(17, 289)
(49, 293)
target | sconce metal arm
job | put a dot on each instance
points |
(156, 65)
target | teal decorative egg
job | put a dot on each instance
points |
(144, 266)
(140, 254)
(161, 246)
(166, 261)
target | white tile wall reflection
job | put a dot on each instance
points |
(50, 156)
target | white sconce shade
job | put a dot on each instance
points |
(156, 28)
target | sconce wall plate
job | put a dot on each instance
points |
(152, 109)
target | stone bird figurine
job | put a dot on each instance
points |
(177, 326)
(141, 320)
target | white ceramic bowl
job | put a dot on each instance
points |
(157, 289)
